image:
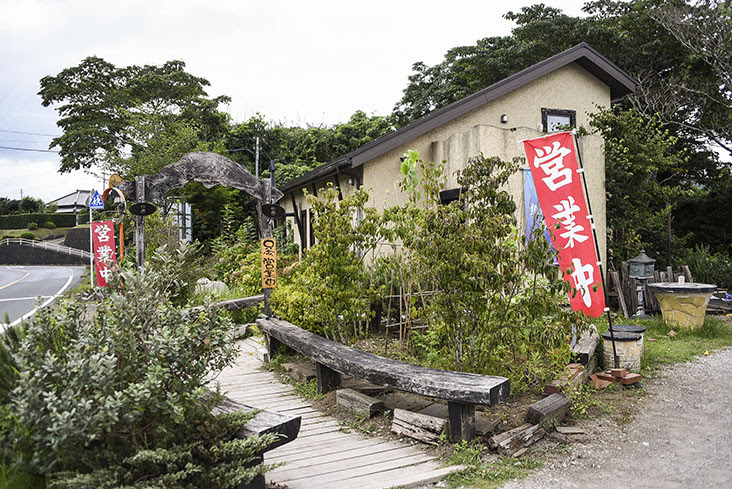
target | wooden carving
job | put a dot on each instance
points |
(207, 168)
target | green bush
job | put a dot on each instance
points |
(32, 226)
(20, 221)
(707, 267)
(119, 391)
(27, 235)
(49, 225)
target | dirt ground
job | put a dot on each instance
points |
(679, 437)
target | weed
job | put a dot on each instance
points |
(583, 398)
(466, 453)
(275, 364)
(495, 474)
(307, 390)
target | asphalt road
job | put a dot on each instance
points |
(25, 288)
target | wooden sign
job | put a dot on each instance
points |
(269, 263)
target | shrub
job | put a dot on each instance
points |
(32, 226)
(114, 390)
(331, 288)
(495, 305)
(708, 267)
(27, 235)
(49, 225)
(20, 221)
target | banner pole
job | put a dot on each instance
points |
(91, 247)
(597, 247)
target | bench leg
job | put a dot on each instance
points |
(273, 347)
(462, 421)
(328, 379)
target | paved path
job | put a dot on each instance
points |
(22, 287)
(323, 456)
(681, 438)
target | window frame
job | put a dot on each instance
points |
(545, 113)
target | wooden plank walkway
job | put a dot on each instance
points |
(323, 456)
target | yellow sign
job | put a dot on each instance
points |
(269, 263)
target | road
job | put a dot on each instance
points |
(680, 439)
(23, 289)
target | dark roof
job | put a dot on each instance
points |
(620, 83)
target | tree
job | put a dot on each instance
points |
(104, 109)
(705, 30)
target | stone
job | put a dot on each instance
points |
(570, 430)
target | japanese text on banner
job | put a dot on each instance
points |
(554, 169)
(105, 258)
(269, 263)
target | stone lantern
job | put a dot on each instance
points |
(641, 269)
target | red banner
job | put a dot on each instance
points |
(105, 258)
(553, 162)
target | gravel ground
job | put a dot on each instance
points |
(681, 438)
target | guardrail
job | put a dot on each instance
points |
(47, 246)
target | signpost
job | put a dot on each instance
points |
(95, 203)
(269, 263)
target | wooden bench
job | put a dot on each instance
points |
(461, 390)
(284, 425)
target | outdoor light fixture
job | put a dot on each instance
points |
(504, 118)
(273, 211)
(641, 269)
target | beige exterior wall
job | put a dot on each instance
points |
(481, 131)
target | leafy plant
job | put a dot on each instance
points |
(495, 303)
(331, 288)
(117, 390)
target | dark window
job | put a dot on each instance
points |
(310, 229)
(447, 196)
(303, 228)
(554, 119)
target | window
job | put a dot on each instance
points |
(447, 196)
(555, 119)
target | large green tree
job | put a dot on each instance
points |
(679, 52)
(109, 113)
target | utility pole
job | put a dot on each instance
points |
(256, 158)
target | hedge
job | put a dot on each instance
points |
(20, 221)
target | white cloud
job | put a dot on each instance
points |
(303, 62)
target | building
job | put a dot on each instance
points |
(74, 202)
(561, 90)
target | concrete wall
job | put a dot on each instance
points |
(481, 131)
(16, 254)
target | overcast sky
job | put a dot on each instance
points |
(313, 62)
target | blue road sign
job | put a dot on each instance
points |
(96, 202)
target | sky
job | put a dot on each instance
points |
(294, 62)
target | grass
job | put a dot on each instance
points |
(495, 474)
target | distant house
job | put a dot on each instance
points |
(559, 91)
(74, 202)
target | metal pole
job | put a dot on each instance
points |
(91, 245)
(597, 247)
(140, 224)
(256, 158)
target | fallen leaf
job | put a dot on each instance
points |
(652, 339)
(706, 353)
(206, 341)
(672, 333)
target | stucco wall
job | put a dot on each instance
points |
(481, 130)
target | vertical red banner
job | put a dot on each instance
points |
(105, 258)
(554, 169)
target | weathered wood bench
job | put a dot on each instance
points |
(284, 425)
(461, 390)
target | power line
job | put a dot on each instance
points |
(30, 133)
(28, 149)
